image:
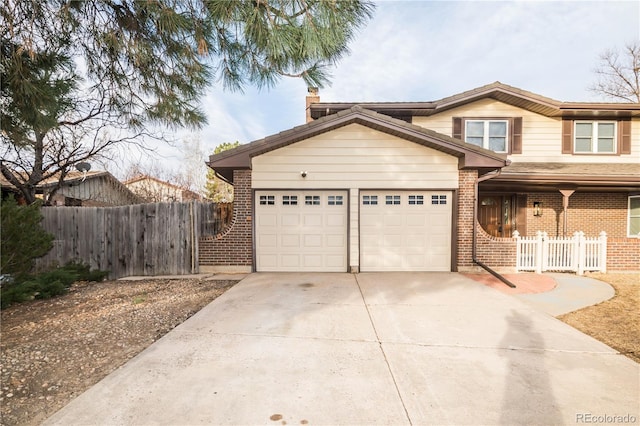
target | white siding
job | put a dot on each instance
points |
(355, 156)
(541, 136)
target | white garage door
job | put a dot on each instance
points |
(301, 231)
(405, 231)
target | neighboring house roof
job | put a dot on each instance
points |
(498, 91)
(74, 178)
(470, 156)
(186, 193)
(583, 176)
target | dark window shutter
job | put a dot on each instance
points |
(624, 136)
(457, 128)
(567, 136)
(516, 136)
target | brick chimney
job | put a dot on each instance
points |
(312, 98)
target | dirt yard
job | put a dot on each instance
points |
(53, 350)
(615, 322)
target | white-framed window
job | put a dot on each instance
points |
(594, 137)
(633, 228)
(267, 200)
(369, 200)
(416, 200)
(392, 200)
(438, 199)
(334, 200)
(289, 200)
(488, 134)
(311, 200)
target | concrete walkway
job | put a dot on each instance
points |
(572, 292)
(385, 348)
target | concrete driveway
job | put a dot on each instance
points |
(383, 348)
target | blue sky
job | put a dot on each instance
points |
(428, 50)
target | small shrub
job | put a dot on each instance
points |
(48, 284)
(23, 238)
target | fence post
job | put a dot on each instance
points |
(540, 251)
(580, 257)
(603, 252)
(516, 235)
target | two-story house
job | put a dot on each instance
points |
(432, 186)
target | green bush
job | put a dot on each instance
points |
(47, 284)
(23, 238)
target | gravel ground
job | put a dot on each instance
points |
(53, 350)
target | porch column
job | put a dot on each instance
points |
(566, 193)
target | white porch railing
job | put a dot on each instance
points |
(577, 254)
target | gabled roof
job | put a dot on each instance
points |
(498, 91)
(186, 193)
(469, 156)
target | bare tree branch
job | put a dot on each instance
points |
(618, 75)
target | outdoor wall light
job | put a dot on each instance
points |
(303, 174)
(537, 208)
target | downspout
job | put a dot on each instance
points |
(475, 221)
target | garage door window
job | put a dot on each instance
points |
(311, 200)
(267, 200)
(392, 200)
(416, 200)
(369, 200)
(438, 199)
(289, 200)
(335, 200)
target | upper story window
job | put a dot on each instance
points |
(595, 137)
(499, 134)
(488, 134)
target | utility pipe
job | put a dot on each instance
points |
(488, 176)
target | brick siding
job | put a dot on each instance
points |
(588, 212)
(623, 254)
(466, 182)
(234, 247)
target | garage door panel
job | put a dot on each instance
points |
(393, 220)
(290, 219)
(268, 220)
(288, 260)
(313, 240)
(301, 230)
(336, 241)
(313, 220)
(291, 241)
(407, 230)
(416, 220)
(269, 241)
(336, 220)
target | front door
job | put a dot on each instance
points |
(494, 215)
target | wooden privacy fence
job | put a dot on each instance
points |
(577, 254)
(141, 239)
